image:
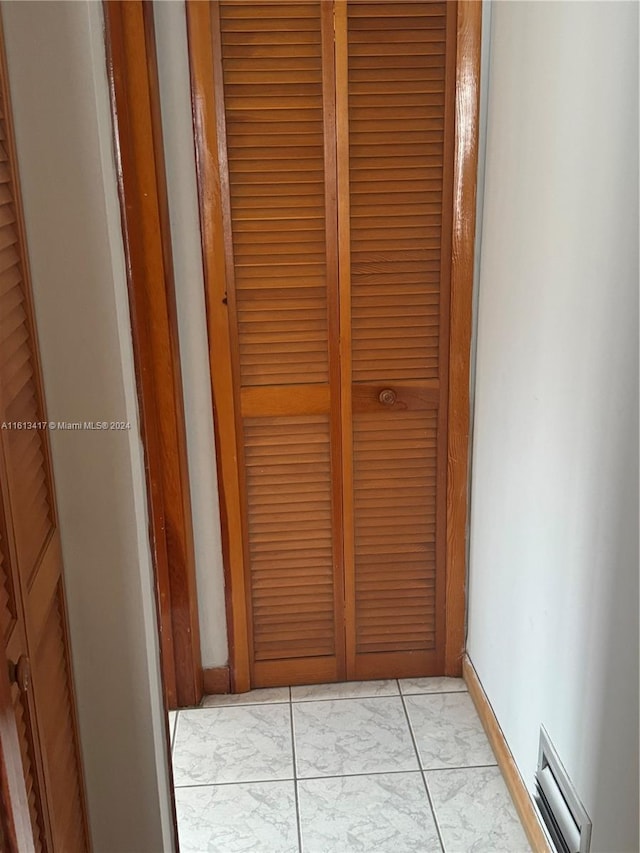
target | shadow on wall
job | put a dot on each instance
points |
(616, 757)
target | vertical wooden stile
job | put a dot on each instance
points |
(445, 311)
(344, 274)
(330, 89)
(230, 302)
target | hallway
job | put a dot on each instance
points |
(385, 766)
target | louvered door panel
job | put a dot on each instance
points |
(399, 116)
(396, 92)
(395, 477)
(273, 102)
(288, 463)
(272, 65)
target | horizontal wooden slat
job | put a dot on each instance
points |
(274, 37)
(394, 10)
(238, 10)
(286, 400)
(403, 24)
(276, 51)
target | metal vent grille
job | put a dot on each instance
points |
(564, 815)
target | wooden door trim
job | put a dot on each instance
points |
(207, 127)
(135, 106)
(469, 27)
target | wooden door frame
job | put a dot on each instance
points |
(135, 102)
(208, 129)
(139, 152)
(465, 171)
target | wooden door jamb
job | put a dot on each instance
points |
(135, 107)
(465, 168)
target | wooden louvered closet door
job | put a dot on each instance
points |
(334, 133)
(396, 119)
(32, 605)
(275, 76)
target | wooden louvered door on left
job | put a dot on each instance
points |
(326, 218)
(32, 604)
(272, 64)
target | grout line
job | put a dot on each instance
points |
(295, 773)
(293, 701)
(433, 692)
(343, 698)
(239, 782)
(339, 776)
(463, 767)
(239, 705)
(355, 775)
(346, 684)
(433, 811)
(424, 781)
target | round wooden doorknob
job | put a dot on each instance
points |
(20, 673)
(387, 397)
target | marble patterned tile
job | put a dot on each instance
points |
(241, 818)
(266, 696)
(248, 743)
(349, 736)
(173, 718)
(386, 813)
(409, 686)
(345, 690)
(448, 731)
(475, 812)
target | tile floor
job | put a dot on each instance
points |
(366, 767)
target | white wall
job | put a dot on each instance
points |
(173, 68)
(58, 81)
(553, 611)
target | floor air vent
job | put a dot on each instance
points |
(563, 813)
